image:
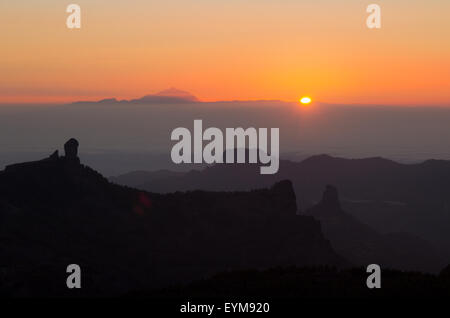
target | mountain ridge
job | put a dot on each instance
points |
(387, 196)
(168, 96)
(56, 212)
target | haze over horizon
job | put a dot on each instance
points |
(119, 137)
(184, 96)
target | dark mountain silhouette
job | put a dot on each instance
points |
(55, 212)
(295, 287)
(171, 95)
(362, 179)
(168, 96)
(387, 196)
(362, 245)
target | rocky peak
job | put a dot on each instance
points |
(71, 150)
(330, 198)
(329, 205)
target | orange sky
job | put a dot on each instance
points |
(226, 50)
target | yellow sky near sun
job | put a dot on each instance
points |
(226, 50)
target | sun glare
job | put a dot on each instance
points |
(305, 100)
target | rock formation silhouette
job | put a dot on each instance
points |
(329, 205)
(71, 157)
(362, 245)
(71, 150)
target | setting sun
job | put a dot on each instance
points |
(305, 100)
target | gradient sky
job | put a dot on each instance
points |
(226, 50)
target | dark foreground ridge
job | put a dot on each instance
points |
(55, 212)
(295, 285)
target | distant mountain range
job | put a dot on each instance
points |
(168, 96)
(371, 179)
(171, 96)
(399, 213)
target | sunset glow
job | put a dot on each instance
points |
(226, 50)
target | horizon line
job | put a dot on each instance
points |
(196, 100)
(65, 103)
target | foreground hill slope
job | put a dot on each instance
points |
(57, 212)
